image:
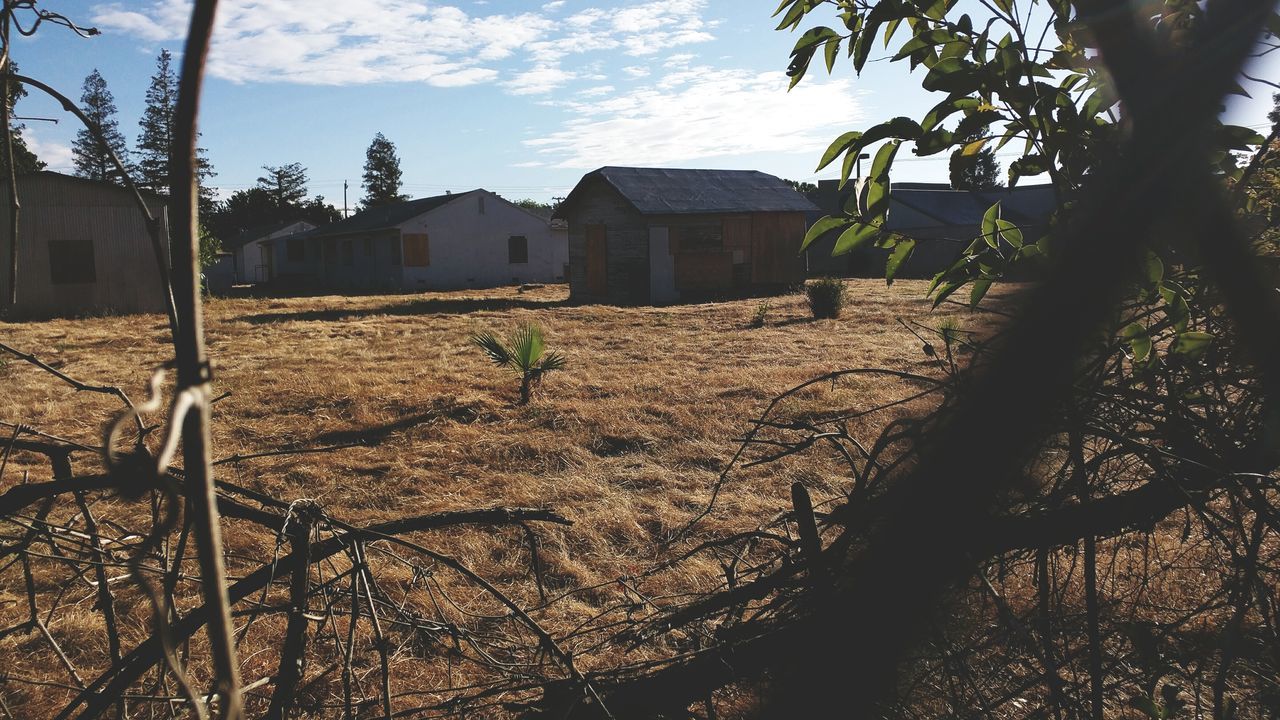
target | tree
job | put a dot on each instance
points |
(802, 186)
(523, 353)
(381, 174)
(973, 165)
(286, 185)
(257, 206)
(24, 160)
(155, 142)
(91, 159)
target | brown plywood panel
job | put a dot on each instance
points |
(597, 262)
(737, 234)
(775, 247)
(704, 271)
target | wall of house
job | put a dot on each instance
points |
(374, 262)
(627, 244)
(101, 218)
(469, 247)
(252, 267)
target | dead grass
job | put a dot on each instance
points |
(625, 442)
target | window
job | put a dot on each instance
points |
(395, 251)
(517, 249)
(368, 247)
(296, 250)
(348, 253)
(417, 251)
(71, 262)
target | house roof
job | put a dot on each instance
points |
(257, 233)
(385, 216)
(676, 191)
(101, 184)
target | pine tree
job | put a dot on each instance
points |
(382, 173)
(24, 160)
(91, 160)
(155, 142)
(978, 171)
(286, 185)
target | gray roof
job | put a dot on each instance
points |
(385, 216)
(244, 237)
(674, 191)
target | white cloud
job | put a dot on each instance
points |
(636, 71)
(56, 156)
(539, 80)
(597, 91)
(707, 113)
(371, 41)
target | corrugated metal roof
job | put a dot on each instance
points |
(674, 191)
(384, 217)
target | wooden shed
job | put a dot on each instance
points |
(661, 235)
(83, 248)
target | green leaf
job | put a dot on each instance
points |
(979, 290)
(1154, 268)
(1139, 341)
(1191, 344)
(822, 227)
(902, 128)
(890, 29)
(989, 225)
(901, 253)
(974, 147)
(945, 291)
(934, 142)
(832, 51)
(950, 75)
(884, 158)
(812, 38)
(840, 144)
(855, 237)
(1032, 164)
(947, 107)
(1009, 232)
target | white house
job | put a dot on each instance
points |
(259, 259)
(474, 239)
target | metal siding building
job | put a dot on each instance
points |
(83, 248)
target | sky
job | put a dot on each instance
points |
(520, 98)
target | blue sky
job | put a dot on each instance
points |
(521, 98)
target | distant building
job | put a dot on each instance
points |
(474, 239)
(259, 258)
(83, 248)
(659, 235)
(946, 220)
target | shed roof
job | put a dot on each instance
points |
(385, 217)
(676, 191)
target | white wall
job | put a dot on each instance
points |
(468, 248)
(250, 267)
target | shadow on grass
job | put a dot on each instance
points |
(465, 413)
(434, 306)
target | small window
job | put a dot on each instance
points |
(395, 251)
(368, 247)
(417, 250)
(71, 262)
(348, 253)
(296, 249)
(517, 249)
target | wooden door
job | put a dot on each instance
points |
(597, 261)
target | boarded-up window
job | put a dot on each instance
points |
(296, 249)
(71, 262)
(417, 252)
(348, 253)
(517, 249)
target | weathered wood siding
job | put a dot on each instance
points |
(626, 245)
(55, 208)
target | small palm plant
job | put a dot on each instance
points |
(523, 352)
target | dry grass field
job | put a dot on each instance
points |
(625, 442)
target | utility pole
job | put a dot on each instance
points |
(344, 199)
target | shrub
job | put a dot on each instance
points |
(522, 352)
(761, 314)
(826, 297)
